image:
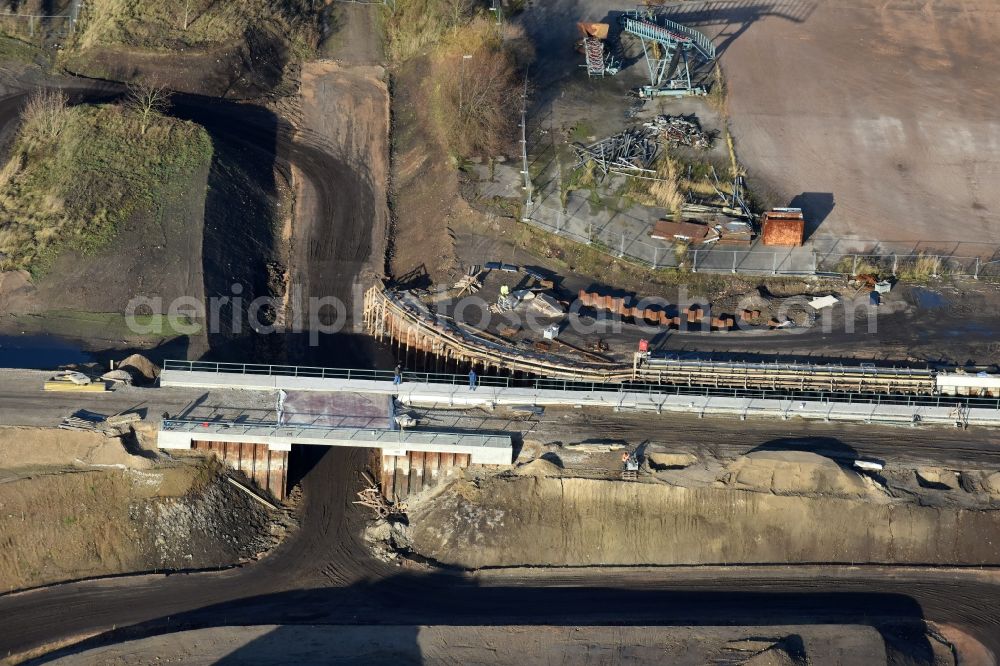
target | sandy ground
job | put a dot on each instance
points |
(769, 506)
(29, 447)
(878, 117)
(425, 188)
(345, 109)
(76, 505)
(341, 225)
(819, 645)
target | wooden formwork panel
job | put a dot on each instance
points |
(267, 469)
(407, 475)
(401, 483)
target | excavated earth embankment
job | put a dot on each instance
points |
(764, 508)
(79, 505)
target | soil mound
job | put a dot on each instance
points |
(659, 461)
(935, 477)
(774, 656)
(993, 483)
(143, 370)
(796, 473)
(538, 467)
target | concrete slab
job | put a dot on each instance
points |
(482, 449)
(447, 395)
(337, 410)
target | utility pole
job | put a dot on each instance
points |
(461, 87)
(524, 151)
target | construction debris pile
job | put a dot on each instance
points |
(704, 228)
(680, 131)
(630, 152)
(111, 426)
(634, 150)
(373, 498)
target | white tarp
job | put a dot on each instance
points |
(821, 302)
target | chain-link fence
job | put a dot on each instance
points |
(36, 28)
(820, 257)
(626, 242)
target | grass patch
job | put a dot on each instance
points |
(415, 27)
(195, 23)
(581, 132)
(850, 265)
(717, 95)
(665, 191)
(15, 49)
(581, 178)
(921, 267)
(107, 325)
(77, 173)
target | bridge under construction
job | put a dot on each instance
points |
(438, 341)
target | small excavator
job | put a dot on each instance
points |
(630, 465)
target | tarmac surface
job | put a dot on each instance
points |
(22, 403)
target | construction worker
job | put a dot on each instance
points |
(397, 377)
(472, 380)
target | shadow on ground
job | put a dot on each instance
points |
(450, 599)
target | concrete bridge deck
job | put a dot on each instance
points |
(482, 449)
(864, 408)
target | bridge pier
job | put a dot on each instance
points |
(410, 473)
(411, 459)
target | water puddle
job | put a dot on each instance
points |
(925, 298)
(39, 352)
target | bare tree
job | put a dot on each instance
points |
(485, 97)
(147, 100)
(44, 115)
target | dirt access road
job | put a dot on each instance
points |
(324, 575)
(514, 646)
(342, 215)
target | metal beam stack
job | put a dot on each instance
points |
(631, 152)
